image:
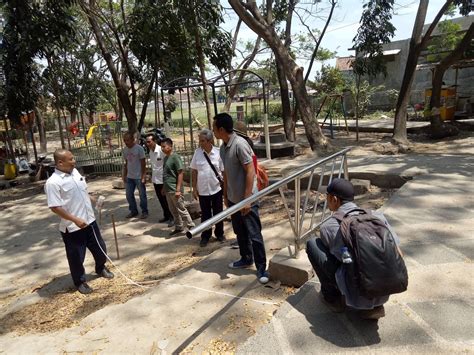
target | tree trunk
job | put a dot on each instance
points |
(147, 99)
(120, 85)
(288, 123)
(417, 44)
(41, 130)
(60, 125)
(254, 20)
(438, 130)
(202, 72)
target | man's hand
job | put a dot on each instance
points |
(196, 194)
(177, 194)
(226, 202)
(144, 180)
(80, 223)
(245, 210)
(124, 179)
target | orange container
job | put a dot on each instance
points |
(447, 102)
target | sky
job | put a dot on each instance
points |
(345, 23)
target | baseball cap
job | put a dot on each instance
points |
(341, 188)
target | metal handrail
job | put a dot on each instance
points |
(297, 225)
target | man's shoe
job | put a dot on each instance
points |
(171, 223)
(106, 273)
(176, 231)
(84, 288)
(234, 245)
(240, 264)
(263, 277)
(144, 215)
(221, 239)
(131, 215)
(336, 306)
(203, 242)
(163, 220)
(374, 314)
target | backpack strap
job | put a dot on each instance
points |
(339, 215)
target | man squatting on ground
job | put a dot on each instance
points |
(240, 183)
(156, 161)
(206, 168)
(134, 175)
(173, 175)
(324, 253)
(67, 195)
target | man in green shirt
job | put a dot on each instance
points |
(173, 173)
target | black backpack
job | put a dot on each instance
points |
(377, 268)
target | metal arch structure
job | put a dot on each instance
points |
(219, 81)
(184, 82)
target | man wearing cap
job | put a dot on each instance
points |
(324, 253)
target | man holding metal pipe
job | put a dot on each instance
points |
(240, 183)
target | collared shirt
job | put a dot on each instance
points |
(235, 154)
(133, 156)
(156, 160)
(332, 238)
(172, 165)
(207, 182)
(69, 191)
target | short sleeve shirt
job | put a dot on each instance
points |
(133, 156)
(156, 161)
(235, 154)
(69, 191)
(172, 165)
(207, 182)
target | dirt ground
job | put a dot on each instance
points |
(33, 260)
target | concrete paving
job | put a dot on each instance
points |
(433, 215)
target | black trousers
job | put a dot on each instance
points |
(210, 206)
(249, 236)
(164, 204)
(76, 244)
(325, 265)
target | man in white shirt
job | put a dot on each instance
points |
(156, 161)
(67, 195)
(207, 170)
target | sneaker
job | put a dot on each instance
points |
(221, 239)
(131, 215)
(171, 223)
(335, 306)
(106, 273)
(84, 288)
(374, 314)
(176, 231)
(203, 242)
(234, 245)
(240, 264)
(144, 215)
(263, 277)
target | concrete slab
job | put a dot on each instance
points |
(289, 270)
(451, 319)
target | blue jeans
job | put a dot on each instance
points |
(249, 236)
(325, 265)
(130, 193)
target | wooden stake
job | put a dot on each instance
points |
(115, 236)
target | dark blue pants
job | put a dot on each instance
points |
(130, 186)
(164, 204)
(325, 265)
(210, 206)
(76, 244)
(249, 236)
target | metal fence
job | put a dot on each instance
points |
(307, 186)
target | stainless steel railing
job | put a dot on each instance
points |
(298, 219)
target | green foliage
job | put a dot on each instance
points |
(304, 44)
(275, 112)
(448, 38)
(328, 80)
(375, 30)
(362, 94)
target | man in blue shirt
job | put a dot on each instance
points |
(324, 253)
